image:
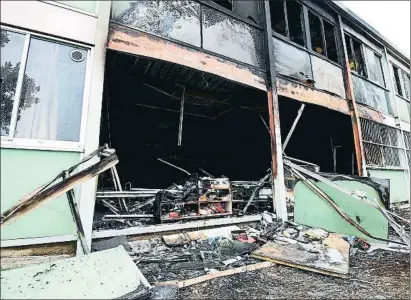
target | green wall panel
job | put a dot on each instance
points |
(21, 172)
(312, 210)
(399, 184)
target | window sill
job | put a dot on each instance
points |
(369, 80)
(31, 144)
(68, 7)
(402, 97)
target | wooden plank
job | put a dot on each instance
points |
(214, 275)
(172, 227)
(135, 42)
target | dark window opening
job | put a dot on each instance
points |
(317, 43)
(329, 33)
(330, 147)
(294, 13)
(278, 22)
(224, 3)
(349, 51)
(397, 82)
(355, 55)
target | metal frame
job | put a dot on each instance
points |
(37, 144)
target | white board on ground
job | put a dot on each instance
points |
(105, 274)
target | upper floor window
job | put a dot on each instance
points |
(287, 20)
(248, 10)
(323, 36)
(88, 6)
(224, 3)
(401, 82)
(355, 55)
(42, 85)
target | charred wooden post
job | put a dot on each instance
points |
(277, 168)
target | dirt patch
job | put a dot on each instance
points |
(382, 275)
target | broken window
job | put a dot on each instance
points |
(294, 13)
(278, 22)
(382, 144)
(397, 82)
(317, 42)
(329, 33)
(323, 37)
(355, 55)
(224, 3)
(287, 20)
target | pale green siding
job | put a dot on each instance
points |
(399, 184)
(21, 172)
(312, 210)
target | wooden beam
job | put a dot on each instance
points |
(189, 282)
(126, 40)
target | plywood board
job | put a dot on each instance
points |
(333, 259)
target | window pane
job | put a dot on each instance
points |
(89, 6)
(11, 51)
(316, 34)
(278, 17)
(52, 95)
(224, 3)
(374, 66)
(349, 52)
(294, 13)
(329, 32)
(397, 83)
(358, 62)
(406, 84)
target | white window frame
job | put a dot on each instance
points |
(26, 143)
(66, 6)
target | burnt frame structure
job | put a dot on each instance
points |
(328, 11)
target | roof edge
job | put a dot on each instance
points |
(362, 24)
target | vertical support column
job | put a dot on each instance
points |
(277, 167)
(355, 120)
(98, 57)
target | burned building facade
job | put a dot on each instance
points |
(223, 89)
